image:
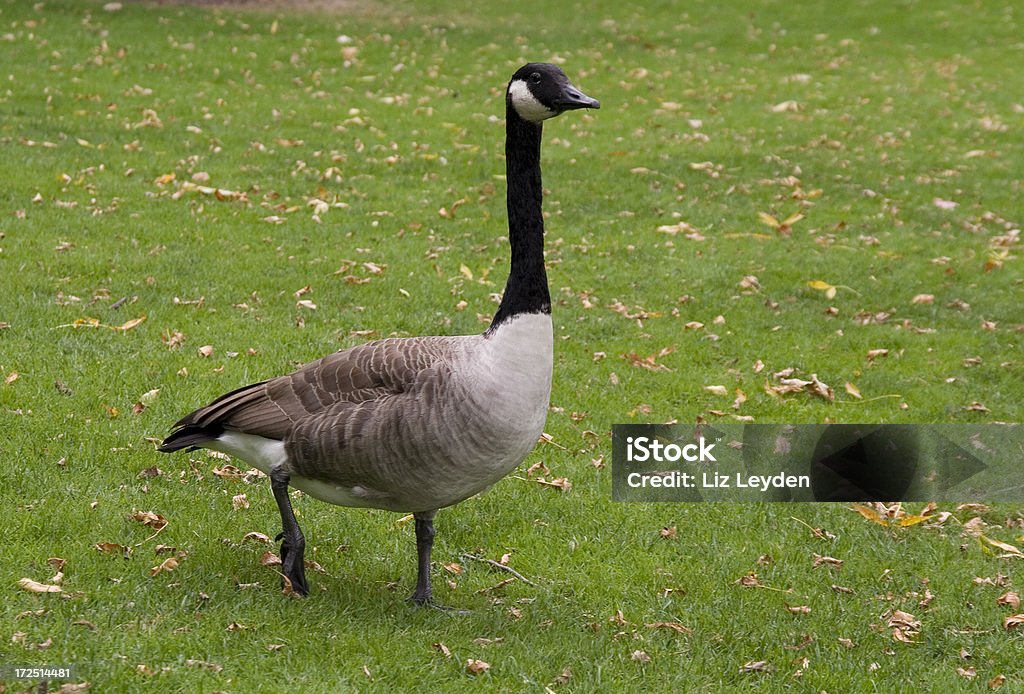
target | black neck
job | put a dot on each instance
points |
(527, 287)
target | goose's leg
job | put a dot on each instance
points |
(293, 545)
(424, 594)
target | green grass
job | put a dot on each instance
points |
(897, 105)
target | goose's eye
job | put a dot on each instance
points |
(535, 78)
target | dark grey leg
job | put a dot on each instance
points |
(424, 593)
(293, 545)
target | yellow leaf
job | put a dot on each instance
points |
(130, 324)
(768, 219)
(853, 390)
(820, 285)
(870, 514)
(1015, 551)
(911, 520)
(465, 272)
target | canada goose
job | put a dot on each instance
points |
(419, 423)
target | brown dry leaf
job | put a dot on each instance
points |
(206, 351)
(562, 483)
(976, 407)
(112, 548)
(153, 520)
(822, 390)
(750, 580)
(640, 656)
(563, 677)
(168, 564)
(669, 533)
(846, 643)
(442, 649)
(1013, 621)
(256, 537)
(228, 472)
(1010, 598)
(831, 562)
(37, 587)
(270, 559)
(239, 501)
(674, 626)
(904, 626)
(877, 354)
(717, 390)
(741, 398)
(453, 567)
(968, 673)
(11, 378)
(997, 682)
(756, 666)
(689, 232)
(650, 362)
(926, 299)
(798, 609)
(477, 667)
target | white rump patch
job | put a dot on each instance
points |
(266, 454)
(258, 451)
(526, 104)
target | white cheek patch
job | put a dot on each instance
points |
(526, 104)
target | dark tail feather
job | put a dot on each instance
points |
(189, 437)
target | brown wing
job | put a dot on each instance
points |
(272, 408)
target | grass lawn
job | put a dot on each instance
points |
(767, 186)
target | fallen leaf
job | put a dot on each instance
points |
(997, 682)
(153, 520)
(1010, 598)
(36, 587)
(822, 286)
(674, 626)
(477, 667)
(756, 666)
(717, 390)
(168, 564)
(1013, 621)
(640, 656)
(1011, 550)
(112, 548)
(852, 390)
(798, 609)
(206, 351)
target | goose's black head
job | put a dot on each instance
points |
(539, 91)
